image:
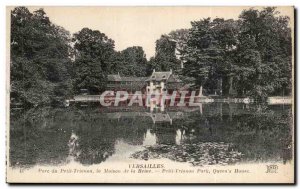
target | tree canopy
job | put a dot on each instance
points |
(40, 58)
(252, 54)
(93, 58)
(249, 56)
(130, 62)
(264, 53)
(165, 57)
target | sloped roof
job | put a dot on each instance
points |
(155, 76)
(174, 78)
(159, 76)
(115, 77)
(141, 79)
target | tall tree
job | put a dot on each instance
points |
(264, 53)
(165, 57)
(130, 62)
(93, 57)
(181, 37)
(226, 35)
(207, 51)
(40, 60)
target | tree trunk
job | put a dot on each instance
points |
(221, 86)
(230, 86)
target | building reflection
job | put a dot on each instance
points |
(89, 135)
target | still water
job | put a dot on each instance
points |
(209, 134)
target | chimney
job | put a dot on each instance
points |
(153, 70)
(171, 71)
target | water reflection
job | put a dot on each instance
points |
(203, 135)
(73, 145)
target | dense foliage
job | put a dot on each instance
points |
(165, 57)
(130, 62)
(264, 53)
(40, 63)
(93, 58)
(251, 56)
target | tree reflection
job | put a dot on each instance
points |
(258, 132)
(248, 132)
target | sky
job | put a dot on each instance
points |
(138, 26)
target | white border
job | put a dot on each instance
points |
(5, 3)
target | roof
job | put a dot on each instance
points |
(159, 76)
(140, 79)
(116, 77)
(155, 76)
(174, 78)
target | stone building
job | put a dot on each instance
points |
(160, 82)
(122, 83)
(157, 82)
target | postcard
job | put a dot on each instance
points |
(150, 95)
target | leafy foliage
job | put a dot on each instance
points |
(130, 62)
(165, 57)
(264, 54)
(208, 51)
(40, 60)
(93, 57)
(252, 54)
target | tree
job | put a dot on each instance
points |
(130, 62)
(165, 57)
(181, 37)
(207, 53)
(93, 57)
(252, 54)
(226, 35)
(264, 53)
(40, 60)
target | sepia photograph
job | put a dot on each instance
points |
(182, 94)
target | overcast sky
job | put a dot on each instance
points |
(137, 26)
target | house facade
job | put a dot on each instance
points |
(151, 87)
(158, 82)
(161, 82)
(129, 84)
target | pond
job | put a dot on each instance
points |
(208, 134)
